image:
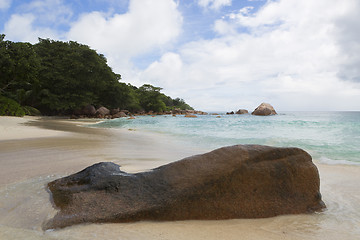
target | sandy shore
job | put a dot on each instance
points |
(35, 151)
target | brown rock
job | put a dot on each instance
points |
(241, 181)
(264, 109)
(88, 110)
(114, 111)
(242, 111)
(102, 111)
(119, 115)
(190, 116)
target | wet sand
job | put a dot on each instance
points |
(35, 151)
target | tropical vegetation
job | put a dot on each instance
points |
(57, 78)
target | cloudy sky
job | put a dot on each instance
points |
(216, 54)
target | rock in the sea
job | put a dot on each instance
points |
(241, 181)
(242, 111)
(190, 115)
(264, 109)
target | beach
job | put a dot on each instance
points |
(35, 151)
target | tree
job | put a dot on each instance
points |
(150, 98)
(180, 103)
(59, 77)
(19, 67)
(74, 75)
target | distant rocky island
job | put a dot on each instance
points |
(264, 109)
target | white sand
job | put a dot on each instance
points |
(14, 128)
(32, 156)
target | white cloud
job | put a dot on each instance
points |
(49, 11)
(223, 27)
(214, 4)
(5, 4)
(36, 19)
(147, 26)
(20, 28)
(348, 36)
(171, 64)
(291, 56)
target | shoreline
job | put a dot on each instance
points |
(47, 132)
(50, 148)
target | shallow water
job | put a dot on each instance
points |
(25, 203)
(331, 137)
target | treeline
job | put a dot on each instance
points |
(58, 78)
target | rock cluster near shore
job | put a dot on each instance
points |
(90, 111)
(241, 181)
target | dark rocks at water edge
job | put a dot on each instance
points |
(89, 111)
(242, 111)
(241, 181)
(264, 109)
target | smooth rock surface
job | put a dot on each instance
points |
(102, 111)
(242, 111)
(264, 109)
(241, 181)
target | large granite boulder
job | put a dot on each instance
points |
(102, 111)
(264, 109)
(88, 110)
(119, 115)
(241, 181)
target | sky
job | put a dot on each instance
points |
(218, 55)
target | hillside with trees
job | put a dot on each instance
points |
(58, 78)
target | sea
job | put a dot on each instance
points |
(329, 137)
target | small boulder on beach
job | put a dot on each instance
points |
(241, 181)
(102, 111)
(119, 115)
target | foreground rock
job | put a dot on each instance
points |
(264, 109)
(242, 181)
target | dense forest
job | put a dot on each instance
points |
(58, 78)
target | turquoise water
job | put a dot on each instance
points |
(330, 137)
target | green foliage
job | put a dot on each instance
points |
(31, 111)
(150, 98)
(180, 103)
(9, 107)
(19, 67)
(57, 77)
(74, 75)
